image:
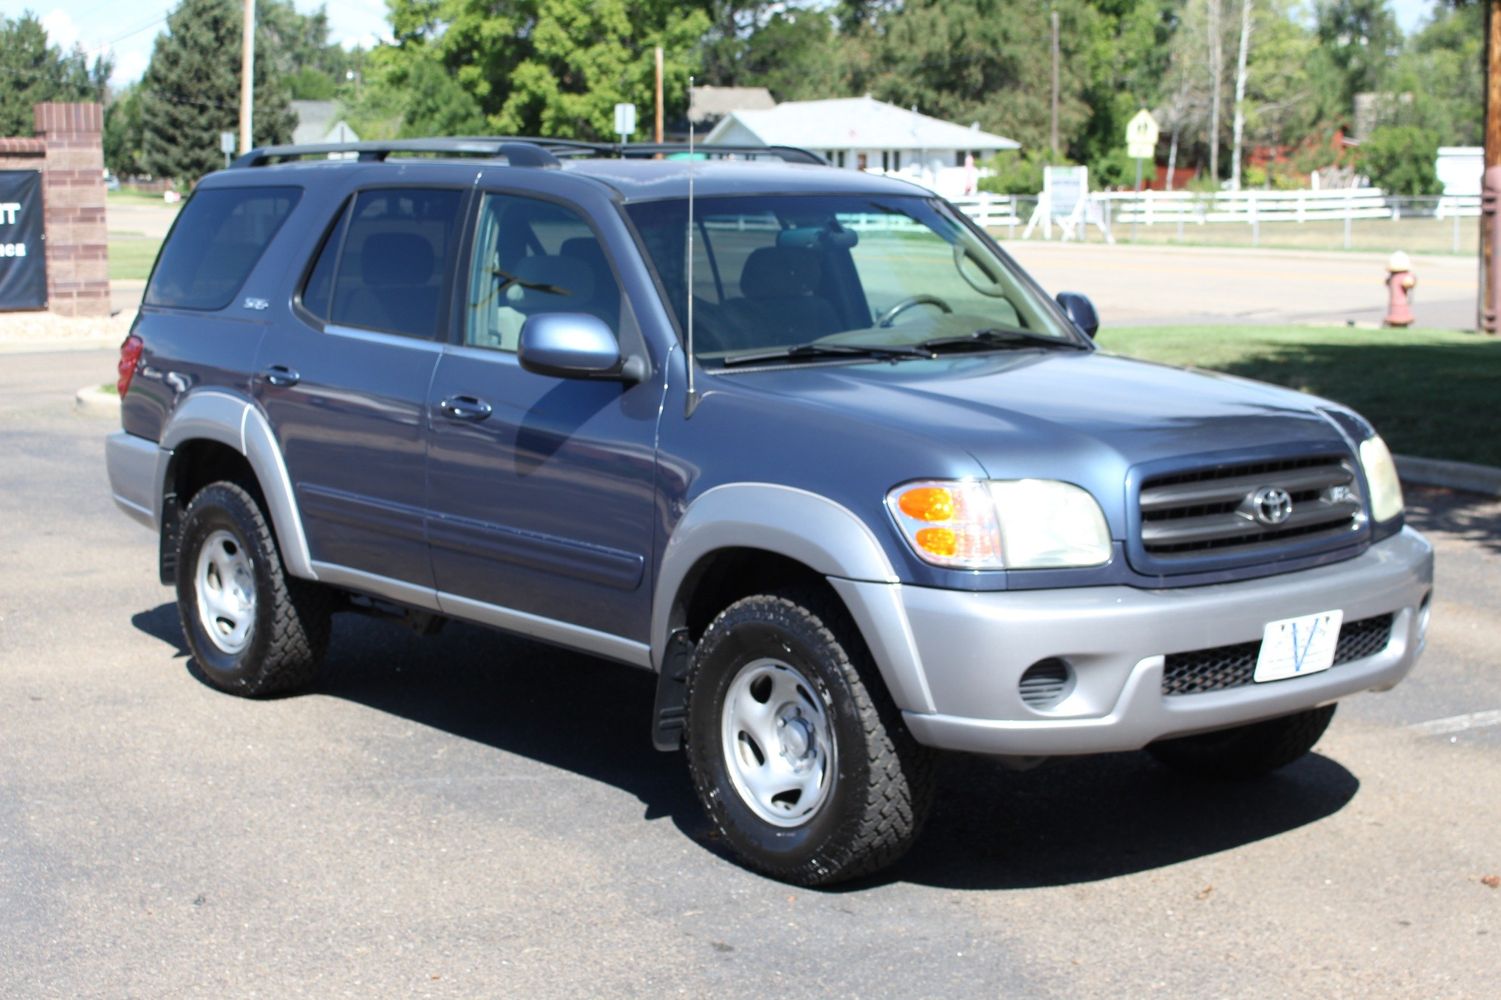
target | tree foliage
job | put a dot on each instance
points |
(35, 71)
(531, 67)
(1400, 159)
(124, 135)
(191, 91)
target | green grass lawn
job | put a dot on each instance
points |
(131, 255)
(124, 195)
(1430, 393)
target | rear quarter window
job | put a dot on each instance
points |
(215, 243)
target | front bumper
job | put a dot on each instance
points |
(960, 656)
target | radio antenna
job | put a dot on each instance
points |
(692, 400)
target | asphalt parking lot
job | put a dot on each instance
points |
(475, 815)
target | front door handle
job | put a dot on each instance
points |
(281, 375)
(465, 408)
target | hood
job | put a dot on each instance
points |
(1082, 417)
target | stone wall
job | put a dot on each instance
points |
(69, 152)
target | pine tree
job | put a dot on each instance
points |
(191, 92)
(35, 71)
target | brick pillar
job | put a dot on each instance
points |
(73, 197)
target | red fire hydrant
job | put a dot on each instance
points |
(1399, 282)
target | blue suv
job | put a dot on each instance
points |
(805, 443)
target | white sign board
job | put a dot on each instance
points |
(227, 143)
(625, 119)
(1141, 136)
(1063, 188)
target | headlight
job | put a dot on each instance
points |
(1010, 524)
(1381, 473)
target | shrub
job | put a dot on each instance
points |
(1400, 159)
(1017, 172)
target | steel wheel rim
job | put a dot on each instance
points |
(778, 743)
(224, 587)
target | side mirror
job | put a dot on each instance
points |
(1081, 311)
(575, 345)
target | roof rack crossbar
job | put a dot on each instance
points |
(516, 150)
(519, 152)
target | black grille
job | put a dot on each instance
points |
(1232, 666)
(1210, 510)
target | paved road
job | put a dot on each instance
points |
(473, 815)
(1141, 285)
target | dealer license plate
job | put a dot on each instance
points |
(1293, 647)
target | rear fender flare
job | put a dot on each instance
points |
(235, 421)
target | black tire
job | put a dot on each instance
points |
(270, 645)
(1245, 751)
(876, 786)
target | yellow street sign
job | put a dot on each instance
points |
(1141, 135)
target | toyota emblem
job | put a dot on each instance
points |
(1271, 505)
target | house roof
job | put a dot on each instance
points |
(855, 123)
(709, 104)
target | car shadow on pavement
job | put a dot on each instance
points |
(1084, 819)
(1068, 821)
(1469, 516)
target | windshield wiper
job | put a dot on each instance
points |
(998, 336)
(798, 352)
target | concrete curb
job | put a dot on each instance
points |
(96, 402)
(1470, 478)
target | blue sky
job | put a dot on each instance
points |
(128, 27)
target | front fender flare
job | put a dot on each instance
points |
(817, 532)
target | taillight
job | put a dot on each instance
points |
(130, 355)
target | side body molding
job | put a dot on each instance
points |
(232, 420)
(817, 532)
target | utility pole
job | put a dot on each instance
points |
(1216, 75)
(659, 93)
(1055, 84)
(247, 75)
(1489, 305)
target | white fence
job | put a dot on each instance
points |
(1125, 211)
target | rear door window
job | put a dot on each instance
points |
(385, 265)
(215, 244)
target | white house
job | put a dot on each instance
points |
(1460, 169)
(862, 133)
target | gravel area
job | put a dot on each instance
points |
(44, 330)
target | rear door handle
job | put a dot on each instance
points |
(281, 375)
(465, 408)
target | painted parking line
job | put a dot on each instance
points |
(1457, 723)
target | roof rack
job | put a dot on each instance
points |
(518, 151)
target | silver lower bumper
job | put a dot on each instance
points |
(135, 475)
(961, 655)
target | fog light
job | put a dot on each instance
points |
(1046, 683)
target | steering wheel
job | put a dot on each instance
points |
(886, 318)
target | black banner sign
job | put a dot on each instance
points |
(23, 259)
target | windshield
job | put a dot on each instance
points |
(792, 273)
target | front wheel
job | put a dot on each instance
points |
(252, 629)
(1245, 751)
(795, 749)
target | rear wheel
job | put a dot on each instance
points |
(252, 629)
(795, 749)
(1245, 751)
